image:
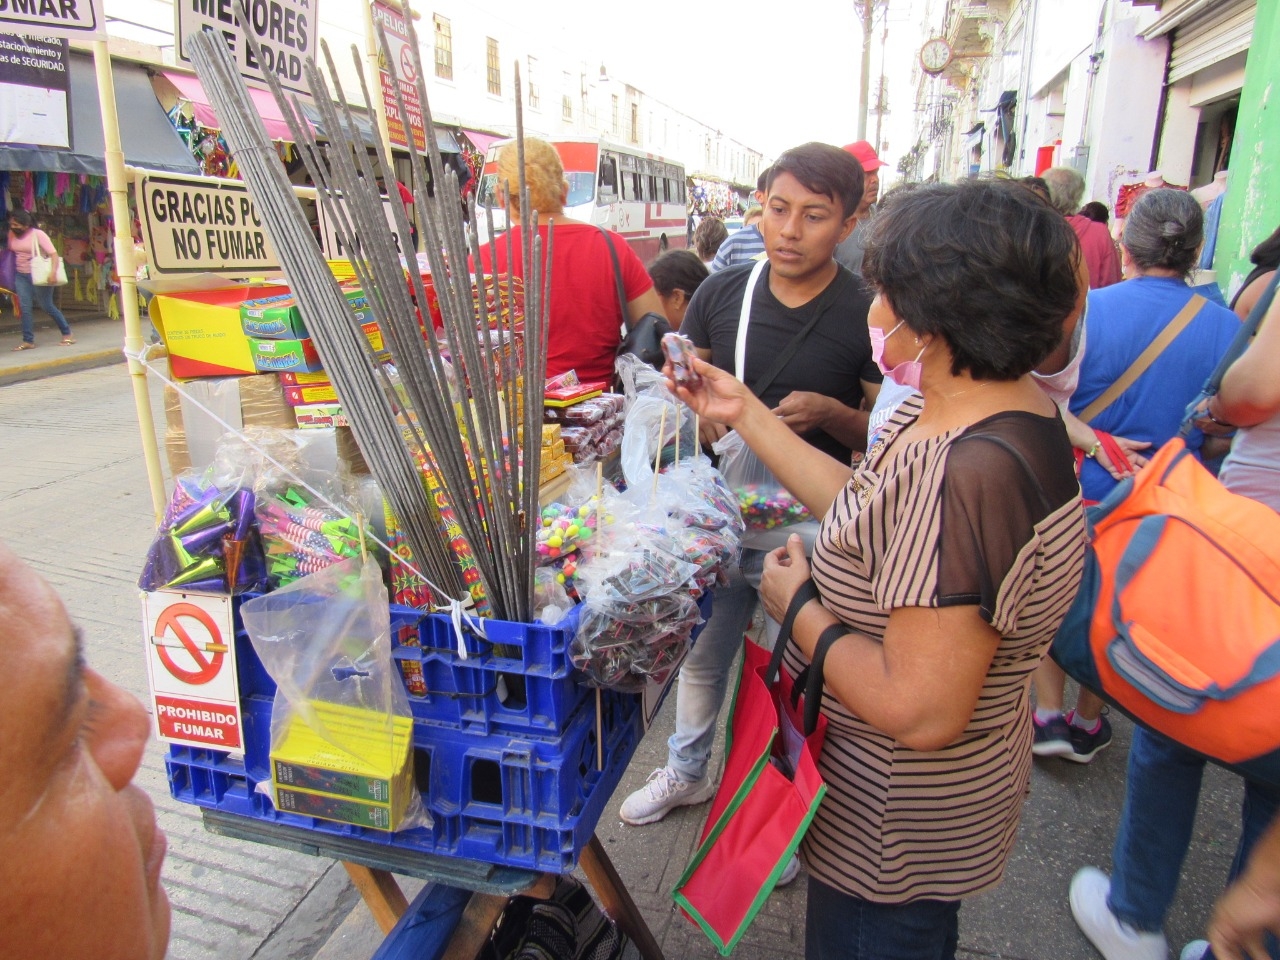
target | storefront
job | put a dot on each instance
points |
(66, 188)
(1209, 45)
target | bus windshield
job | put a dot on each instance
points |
(582, 188)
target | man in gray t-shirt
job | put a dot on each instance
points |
(849, 252)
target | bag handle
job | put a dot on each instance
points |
(809, 680)
(617, 276)
(1145, 358)
(808, 591)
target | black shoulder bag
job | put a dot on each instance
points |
(644, 337)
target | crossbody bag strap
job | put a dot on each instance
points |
(1146, 358)
(792, 347)
(617, 276)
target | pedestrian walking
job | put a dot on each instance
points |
(24, 238)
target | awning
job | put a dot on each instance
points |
(482, 141)
(148, 137)
(188, 88)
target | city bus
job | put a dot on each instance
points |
(636, 194)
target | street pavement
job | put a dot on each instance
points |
(74, 503)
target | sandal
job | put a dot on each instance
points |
(68, 340)
(24, 346)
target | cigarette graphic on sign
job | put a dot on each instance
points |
(206, 647)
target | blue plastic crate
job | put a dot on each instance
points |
(534, 649)
(538, 814)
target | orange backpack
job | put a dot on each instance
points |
(1178, 618)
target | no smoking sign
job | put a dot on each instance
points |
(191, 665)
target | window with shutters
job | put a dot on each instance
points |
(444, 47)
(494, 73)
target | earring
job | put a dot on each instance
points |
(917, 341)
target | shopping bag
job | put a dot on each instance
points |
(8, 269)
(42, 272)
(769, 509)
(766, 800)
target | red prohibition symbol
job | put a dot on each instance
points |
(207, 665)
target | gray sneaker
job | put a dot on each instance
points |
(661, 794)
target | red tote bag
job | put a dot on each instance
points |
(766, 800)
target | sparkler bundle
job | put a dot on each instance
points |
(461, 399)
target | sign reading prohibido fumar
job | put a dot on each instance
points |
(203, 225)
(72, 19)
(287, 30)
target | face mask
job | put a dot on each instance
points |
(905, 374)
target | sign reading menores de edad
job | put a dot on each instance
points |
(287, 30)
(202, 225)
(73, 19)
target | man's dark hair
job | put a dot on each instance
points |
(984, 264)
(822, 168)
(677, 270)
(1096, 211)
(1267, 253)
(1038, 186)
(762, 181)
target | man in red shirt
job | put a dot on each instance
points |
(1066, 189)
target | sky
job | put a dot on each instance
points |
(768, 74)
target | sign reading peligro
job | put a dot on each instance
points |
(74, 19)
(287, 30)
(397, 31)
(202, 225)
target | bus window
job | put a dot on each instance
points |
(652, 193)
(485, 192)
(608, 179)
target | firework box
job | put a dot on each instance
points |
(359, 772)
(273, 356)
(202, 331)
(310, 394)
(305, 379)
(320, 415)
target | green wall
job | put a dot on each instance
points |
(1251, 210)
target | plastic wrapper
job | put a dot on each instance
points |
(651, 423)
(551, 601)
(341, 728)
(638, 378)
(206, 542)
(766, 505)
(624, 646)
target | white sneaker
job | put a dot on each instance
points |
(790, 873)
(1194, 950)
(662, 793)
(1115, 940)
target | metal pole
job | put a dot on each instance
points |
(865, 9)
(374, 80)
(118, 186)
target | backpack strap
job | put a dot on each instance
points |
(617, 276)
(1145, 358)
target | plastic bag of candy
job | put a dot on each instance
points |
(624, 645)
(765, 503)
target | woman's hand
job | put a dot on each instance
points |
(1202, 421)
(716, 395)
(1130, 448)
(785, 569)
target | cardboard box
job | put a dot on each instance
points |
(273, 318)
(202, 331)
(360, 772)
(191, 435)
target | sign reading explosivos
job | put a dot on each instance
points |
(397, 31)
(287, 30)
(202, 225)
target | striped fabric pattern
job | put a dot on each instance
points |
(899, 825)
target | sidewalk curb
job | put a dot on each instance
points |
(68, 364)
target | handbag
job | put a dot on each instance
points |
(42, 272)
(644, 337)
(1178, 616)
(768, 795)
(8, 269)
